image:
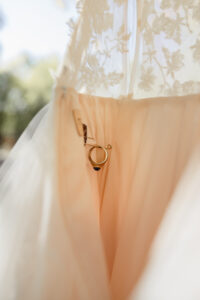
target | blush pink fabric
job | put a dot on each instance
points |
(113, 215)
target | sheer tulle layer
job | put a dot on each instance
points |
(68, 232)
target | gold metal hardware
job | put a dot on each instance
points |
(98, 165)
(83, 131)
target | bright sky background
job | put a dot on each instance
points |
(34, 26)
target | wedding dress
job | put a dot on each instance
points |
(130, 230)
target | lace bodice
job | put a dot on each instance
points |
(140, 48)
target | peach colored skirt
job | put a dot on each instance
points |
(112, 216)
(130, 231)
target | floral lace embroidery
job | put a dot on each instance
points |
(165, 27)
(100, 56)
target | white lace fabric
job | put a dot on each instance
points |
(132, 231)
(146, 48)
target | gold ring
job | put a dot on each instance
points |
(98, 165)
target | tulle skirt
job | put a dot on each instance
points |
(129, 231)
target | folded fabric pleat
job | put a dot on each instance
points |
(69, 232)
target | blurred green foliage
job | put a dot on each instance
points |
(25, 87)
